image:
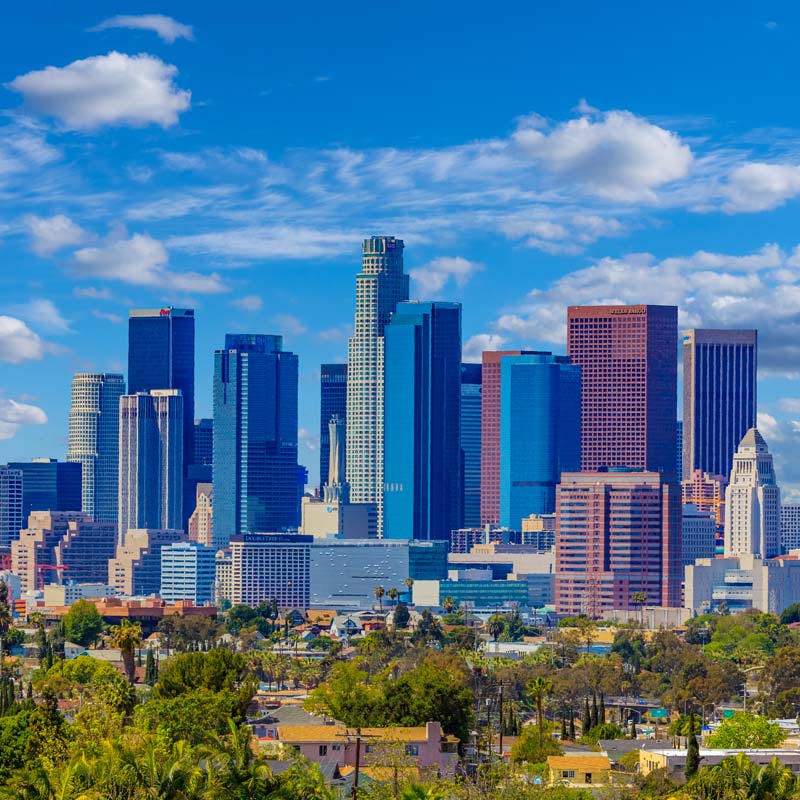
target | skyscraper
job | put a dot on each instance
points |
(719, 396)
(10, 506)
(380, 286)
(628, 357)
(333, 403)
(422, 421)
(471, 442)
(49, 485)
(540, 432)
(203, 442)
(150, 461)
(752, 501)
(161, 356)
(490, 433)
(255, 437)
(618, 532)
(94, 440)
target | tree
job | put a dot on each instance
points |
(692, 751)
(409, 582)
(495, 625)
(5, 619)
(640, 599)
(601, 710)
(633, 734)
(127, 636)
(791, 614)
(528, 748)
(393, 594)
(448, 604)
(402, 616)
(586, 725)
(150, 669)
(379, 593)
(571, 725)
(538, 689)
(83, 623)
(746, 730)
(595, 713)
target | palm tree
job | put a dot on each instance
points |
(639, 599)
(448, 604)
(539, 688)
(495, 625)
(393, 593)
(409, 582)
(127, 636)
(379, 593)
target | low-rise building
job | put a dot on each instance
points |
(187, 572)
(743, 582)
(135, 570)
(579, 770)
(674, 760)
(426, 748)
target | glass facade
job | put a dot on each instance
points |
(255, 471)
(380, 286)
(10, 506)
(423, 491)
(161, 356)
(188, 572)
(540, 432)
(719, 397)
(204, 442)
(333, 402)
(94, 440)
(471, 442)
(629, 362)
(49, 485)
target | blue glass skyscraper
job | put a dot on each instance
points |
(540, 432)
(471, 385)
(422, 421)
(161, 356)
(255, 437)
(332, 403)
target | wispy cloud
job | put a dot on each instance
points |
(438, 273)
(18, 342)
(167, 28)
(13, 415)
(42, 313)
(251, 302)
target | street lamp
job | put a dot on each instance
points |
(744, 687)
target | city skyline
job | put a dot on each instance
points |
(205, 201)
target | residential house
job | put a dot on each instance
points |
(579, 770)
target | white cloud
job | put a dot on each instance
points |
(13, 415)
(618, 157)
(140, 261)
(714, 290)
(43, 313)
(50, 234)
(281, 241)
(287, 324)
(472, 351)
(769, 427)
(436, 274)
(116, 319)
(115, 89)
(758, 187)
(18, 342)
(252, 302)
(167, 28)
(790, 404)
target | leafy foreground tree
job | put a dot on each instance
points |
(83, 623)
(738, 777)
(746, 730)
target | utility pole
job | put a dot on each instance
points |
(501, 722)
(358, 764)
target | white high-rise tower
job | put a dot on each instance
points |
(94, 440)
(752, 502)
(380, 286)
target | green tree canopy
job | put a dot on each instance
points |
(746, 730)
(83, 623)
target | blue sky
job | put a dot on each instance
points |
(231, 157)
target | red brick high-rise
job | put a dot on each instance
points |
(618, 533)
(490, 433)
(629, 366)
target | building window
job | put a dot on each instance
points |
(412, 749)
(323, 749)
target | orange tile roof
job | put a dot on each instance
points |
(300, 734)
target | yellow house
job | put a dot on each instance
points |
(579, 770)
